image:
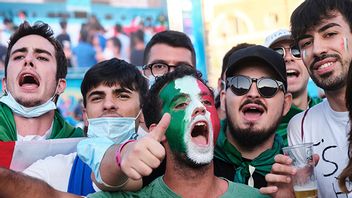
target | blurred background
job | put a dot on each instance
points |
(121, 28)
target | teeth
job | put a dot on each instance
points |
(325, 65)
(200, 124)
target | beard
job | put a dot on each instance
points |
(249, 138)
(327, 81)
(183, 161)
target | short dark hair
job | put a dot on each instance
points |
(153, 104)
(311, 12)
(111, 72)
(44, 30)
(173, 39)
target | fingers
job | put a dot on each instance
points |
(316, 159)
(283, 169)
(158, 132)
(275, 178)
(268, 190)
(283, 159)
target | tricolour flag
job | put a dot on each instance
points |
(19, 155)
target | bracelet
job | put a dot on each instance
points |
(118, 152)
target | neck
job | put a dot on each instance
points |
(38, 126)
(337, 100)
(301, 100)
(193, 182)
(254, 152)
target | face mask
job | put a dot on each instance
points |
(151, 80)
(117, 129)
(28, 112)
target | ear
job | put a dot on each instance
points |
(287, 103)
(85, 116)
(219, 84)
(4, 85)
(61, 86)
(223, 100)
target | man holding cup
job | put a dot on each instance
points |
(322, 30)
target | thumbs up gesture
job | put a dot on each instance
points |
(139, 158)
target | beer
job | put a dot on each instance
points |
(306, 192)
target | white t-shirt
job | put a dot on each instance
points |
(328, 131)
(55, 170)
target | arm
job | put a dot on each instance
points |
(15, 184)
(138, 159)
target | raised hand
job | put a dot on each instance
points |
(139, 158)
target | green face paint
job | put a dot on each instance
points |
(182, 98)
(171, 98)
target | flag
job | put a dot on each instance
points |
(18, 155)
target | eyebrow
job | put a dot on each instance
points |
(322, 29)
(121, 90)
(165, 62)
(178, 96)
(36, 50)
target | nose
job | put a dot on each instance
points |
(200, 110)
(319, 47)
(28, 60)
(109, 104)
(288, 56)
(253, 91)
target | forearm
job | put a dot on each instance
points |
(15, 184)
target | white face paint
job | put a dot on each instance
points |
(197, 151)
(345, 44)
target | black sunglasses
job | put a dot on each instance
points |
(266, 87)
(293, 50)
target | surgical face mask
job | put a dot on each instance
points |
(28, 112)
(118, 129)
(151, 80)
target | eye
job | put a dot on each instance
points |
(207, 102)
(304, 44)
(96, 98)
(18, 57)
(123, 96)
(42, 58)
(159, 66)
(182, 105)
(329, 34)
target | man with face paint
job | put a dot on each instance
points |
(255, 99)
(189, 141)
(322, 30)
(113, 92)
(282, 42)
(35, 71)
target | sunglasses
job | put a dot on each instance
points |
(266, 87)
(293, 50)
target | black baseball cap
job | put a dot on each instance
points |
(258, 53)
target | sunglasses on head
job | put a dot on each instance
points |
(294, 50)
(266, 87)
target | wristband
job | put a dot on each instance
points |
(118, 152)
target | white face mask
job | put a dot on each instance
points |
(151, 80)
(28, 112)
(118, 129)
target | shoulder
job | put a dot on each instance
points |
(242, 190)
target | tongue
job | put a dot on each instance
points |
(250, 115)
(29, 85)
(199, 140)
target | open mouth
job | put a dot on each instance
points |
(200, 133)
(252, 112)
(292, 73)
(28, 80)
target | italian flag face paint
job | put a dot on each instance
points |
(194, 122)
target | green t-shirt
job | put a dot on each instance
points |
(282, 128)
(158, 188)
